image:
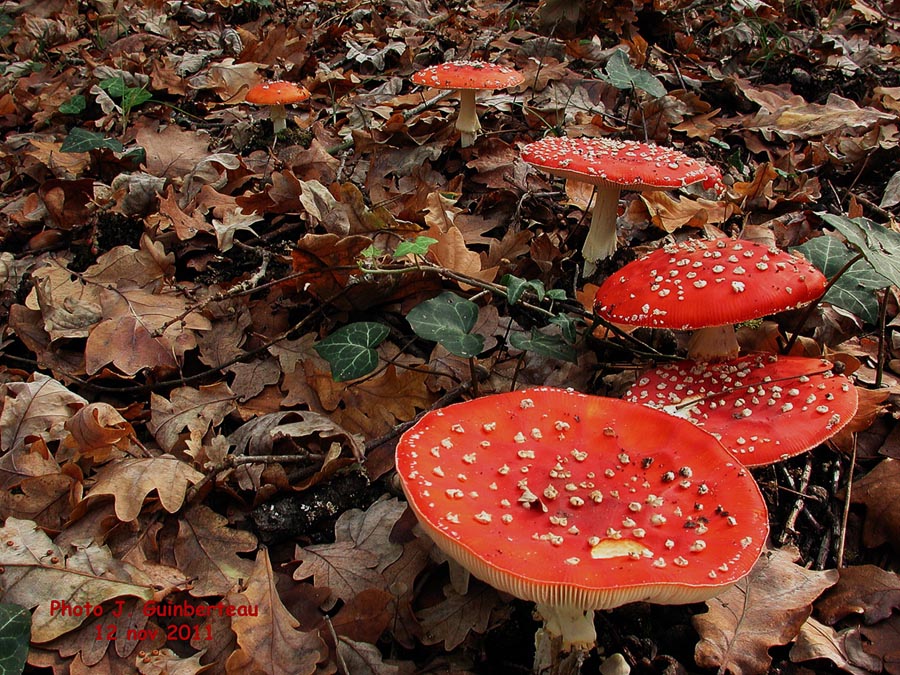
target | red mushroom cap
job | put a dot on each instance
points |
(627, 164)
(468, 75)
(582, 501)
(699, 283)
(278, 92)
(763, 408)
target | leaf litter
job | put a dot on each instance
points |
(213, 337)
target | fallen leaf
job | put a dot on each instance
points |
(879, 491)
(267, 634)
(450, 621)
(38, 408)
(188, 408)
(129, 481)
(818, 641)
(766, 608)
(866, 590)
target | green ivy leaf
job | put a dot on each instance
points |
(350, 350)
(553, 346)
(853, 290)
(448, 319)
(82, 140)
(74, 106)
(622, 75)
(878, 244)
(419, 247)
(15, 634)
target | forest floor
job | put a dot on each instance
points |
(209, 349)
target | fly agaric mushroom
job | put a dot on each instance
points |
(277, 94)
(612, 166)
(468, 77)
(763, 408)
(581, 502)
(708, 286)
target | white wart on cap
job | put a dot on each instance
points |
(582, 502)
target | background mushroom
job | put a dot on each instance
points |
(763, 408)
(708, 286)
(468, 77)
(277, 94)
(612, 166)
(576, 503)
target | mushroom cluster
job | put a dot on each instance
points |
(612, 166)
(763, 408)
(468, 77)
(707, 287)
(581, 502)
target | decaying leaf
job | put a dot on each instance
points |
(879, 491)
(766, 608)
(267, 634)
(866, 590)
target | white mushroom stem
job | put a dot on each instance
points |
(278, 113)
(563, 642)
(600, 242)
(716, 343)
(467, 121)
(575, 626)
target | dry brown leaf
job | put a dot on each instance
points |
(142, 329)
(37, 573)
(360, 553)
(38, 408)
(816, 119)
(451, 620)
(879, 491)
(207, 551)
(129, 481)
(362, 658)
(172, 152)
(818, 641)
(188, 408)
(96, 430)
(881, 642)
(267, 634)
(374, 406)
(47, 500)
(764, 609)
(24, 462)
(670, 214)
(866, 590)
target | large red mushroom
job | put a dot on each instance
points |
(707, 287)
(612, 166)
(581, 502)
(468, 77)
(763, 408)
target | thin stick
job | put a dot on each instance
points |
(846, 514)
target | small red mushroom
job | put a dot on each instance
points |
(468, 77)
(277, 94)
(708, 286)
(763, 408)
(612, 166)
(581, 502)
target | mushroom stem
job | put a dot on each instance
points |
(716, 343)
(467, 121)
(600, 242)
(278, 114)
(562, 643)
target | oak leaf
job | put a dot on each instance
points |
(207, 550)
(24, 462)
(879, 491)
(37, 408)
(37, 573)
(360, 553)
(451, 620)
(268, 640)
(764, 609)
(866, 590)
(843, 648)
(96, 430)
(129, 481)
(188, 408)
(47, 500)
(362, 658)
